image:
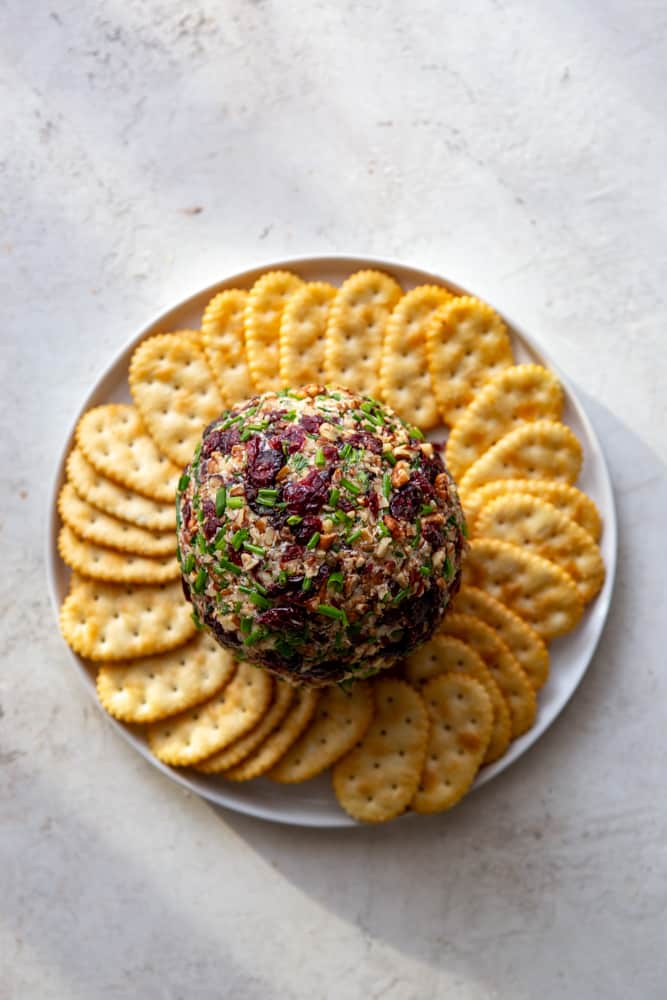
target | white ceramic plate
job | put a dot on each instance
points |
(313, 803)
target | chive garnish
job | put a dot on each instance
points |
(386, 485)
(307, 583)
(246, 626)
(400, 595)
(388, 457)
(336, 579)
(183, 482)
(238, 538)
(415, 432)
(235, 503)
(269, 494)
(331, 612)
(220, 501)
(346, 451)
(230, 566)
(383, 529)
(201, 543)
(200, 583)
(294, 519)
(320, 460)
(333, 497)
(247, 433)
(353, 536)
(425, 570)
(313, 541)
(282, 578)
(255, 636)
(189, 563)
(427, 508)
(351, 487)
(257, 550)
(448, 568)
(259, 601)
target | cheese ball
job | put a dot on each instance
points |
(320, 536)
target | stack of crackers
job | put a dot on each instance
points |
(415, 737)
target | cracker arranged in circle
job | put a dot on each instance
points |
(203, 730)
(461, 722)
(514, 686)
(223, 339)
(544, 449)
(94, 525)
(516, 395)
(523, 642)
(223, 760)
(114, 440)
(280, 740)
(118, 501)
(340, 721)
(443, 654)
(356, 327)
(263, 315)
(538, 526)
(101, 563)
(110, 621)
(303, 334)
(156, 687)
(405, 380)
(174, 391)
(466, 344)
(379, 777)
(577, 505)
(537, 590)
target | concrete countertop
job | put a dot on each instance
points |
(149, 149)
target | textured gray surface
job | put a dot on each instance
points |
(149, 148)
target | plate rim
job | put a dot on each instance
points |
(321, 261)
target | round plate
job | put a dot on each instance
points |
(312, 803)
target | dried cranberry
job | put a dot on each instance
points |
(186, 589)
(374, 503)
(186, 511)
(344, 504)
(308, 495)
(275, 415)
(433, 534)
(290, 440)
(292, 552)
(405, 503)
(311, 422)
(288, 616)
(366, 440)
(422, 483)
(264, 463)
(222, 441)
(211, 522)
(234, 556)
(432, 467)
(330, 452)
(304, 531)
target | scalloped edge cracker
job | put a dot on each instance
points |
(101, 563)
(263, 314)
(303, 334)
(95, 526)
(569, 500)
(223, 339)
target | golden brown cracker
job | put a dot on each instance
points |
(543, 449)
(461, 722)
(102, 563)
(466, 344)
(203, 730)
(303, 334)
(379, 777)
(110, 621)
(174, 391)
(534, 588)
(538, 526)
(506, 672)
(522, 641)
(263, 315)
(280, 740)
(94, 525)
(223, 760)
(445, 654)
(405, 380)
(568, 499)
(516, 395)
(355, 331)
(156, 687)
(340, 721)
(114, 440)
(223, 339)
(118, 501)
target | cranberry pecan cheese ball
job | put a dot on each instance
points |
(319, 535)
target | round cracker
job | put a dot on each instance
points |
(538, 526)
(223, 760)
(94, 525)
(174, 391)
(516, 395)
(223, 339)
(115, 442)
(405, 380)
(118, 501)
(466, 344)
(356, 326)
(203, 730)
(461, 722)
(107, 621)
(378, 778)
(523, 642)
(568, 499)
(280, 740)
(263, 315)
(341, 719)
(157, 687)
(101, 563)
(303, 334)
(537, 590)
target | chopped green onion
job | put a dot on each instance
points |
(271, 494)
(201, 543)
(427, 508)
(388, 457)
(256, 636)
(353, 537)
(258, 427)
(197, 620)
(256, 550)
(238, 538)
(351, 487)
(418, 533)
(246, 625)
(230, 566)
(331, 612)
(220, 501)
(386, 485)
(425, 570)
(313, 541)
(448, 568)
(282, 578)
(415, 432)
(336, 579)
(189, 563)
(259, 601)
(357, 416)
(294, 519)
(342, 518)
(320, 460)
(346, 451)
(307, 584)
(400, 595)
(383, 529)
(290, 416)
(200, 583)
(235, 503)
(333, 497)
(183, 482)
(247, 433)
